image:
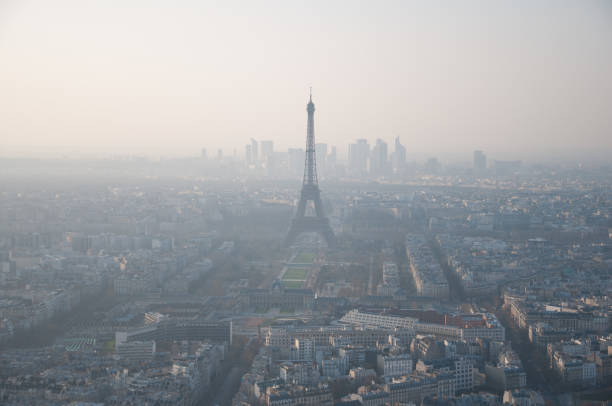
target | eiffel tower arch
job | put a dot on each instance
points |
(318, 223)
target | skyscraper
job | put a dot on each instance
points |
(399, 155)
(331, 159)
(359, 153)
(267, 149)
(254, 150)
(378, 160)
(480, 162)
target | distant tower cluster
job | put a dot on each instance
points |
(376, 161)
(259, 154)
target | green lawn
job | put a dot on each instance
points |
(293, 284)
(296, 274)
(304, 258)
(109, 346)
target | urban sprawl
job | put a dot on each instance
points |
(124, 283)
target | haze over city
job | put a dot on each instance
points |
(521, 80)
(277, 203)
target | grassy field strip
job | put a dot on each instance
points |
(304, 258)
(292, 284)
(298, 270)
(296, 274)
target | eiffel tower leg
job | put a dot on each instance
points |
(301, 209)
(318, 206)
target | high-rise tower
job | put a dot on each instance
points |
(310, 192)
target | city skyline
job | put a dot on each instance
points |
(448, 79)
(178, 226)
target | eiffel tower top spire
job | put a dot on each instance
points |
(310, 164)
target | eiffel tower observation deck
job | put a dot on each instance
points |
(303, 223)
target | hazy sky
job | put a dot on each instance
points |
(514, 78)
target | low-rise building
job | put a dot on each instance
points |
(136, 350)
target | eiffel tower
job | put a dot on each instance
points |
(310, 192)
